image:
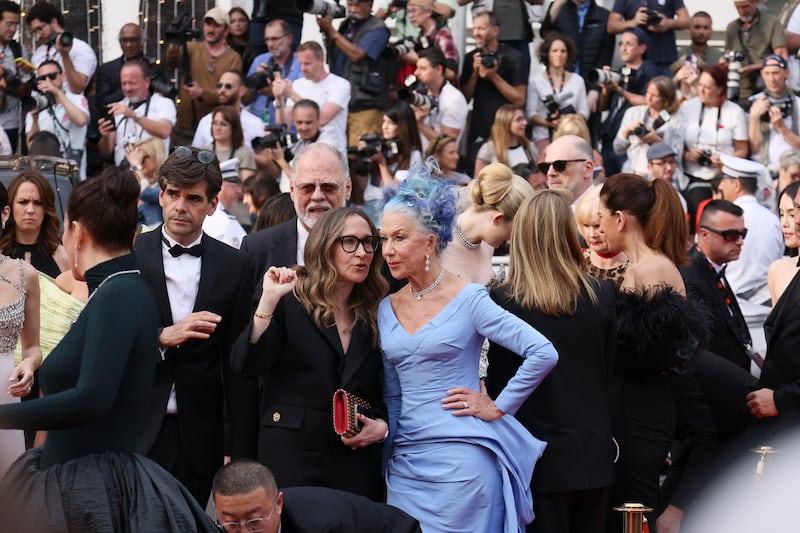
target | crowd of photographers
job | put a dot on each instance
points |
(700, 100)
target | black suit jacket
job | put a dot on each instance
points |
(701, 287)
(781, 370)
(300, 367)
(196, 367)
(276, 246)
(570, 407)
(324, 510)
(108, 88)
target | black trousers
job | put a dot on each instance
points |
(580, 511)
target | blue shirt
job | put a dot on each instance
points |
(293, 73)
(372, 43)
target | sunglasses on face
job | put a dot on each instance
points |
(51, 76)
(560, 165)
(307, 189)
(227, 86)
(730, 235)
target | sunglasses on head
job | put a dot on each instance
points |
(730, 235)
(204, 156)
(52, 76)
(560, 165)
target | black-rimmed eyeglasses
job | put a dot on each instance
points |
(350, 243)
(560, 165)
(730, 235)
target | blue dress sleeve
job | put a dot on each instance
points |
(393, 400)
(517, 336)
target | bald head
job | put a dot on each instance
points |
(130, 40)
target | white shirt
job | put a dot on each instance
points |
(704, 133)
(331, 89)
(763, 245)
(57, 121)
(128, 130)
(777, 142)
(671, 132)
(451, 112)
(224, 227)
(252, 127)
(182, 275)
(302, 237)
(83, 58)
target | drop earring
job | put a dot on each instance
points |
(75, 253)
(427, 263)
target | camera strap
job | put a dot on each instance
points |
(66, 144)
(125, 119)
(718, 124)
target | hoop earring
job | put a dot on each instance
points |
(427, 263)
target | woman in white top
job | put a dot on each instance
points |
(507, 142)
(643, 125)
(712, 126)
(226, 130)
(556, 53)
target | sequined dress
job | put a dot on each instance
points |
(12, 441)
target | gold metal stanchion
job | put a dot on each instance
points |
(633, 519)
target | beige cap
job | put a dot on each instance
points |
(218, 15)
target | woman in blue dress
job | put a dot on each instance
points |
(456, 460)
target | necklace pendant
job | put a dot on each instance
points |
(418, 297)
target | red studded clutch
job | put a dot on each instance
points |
(346, 407)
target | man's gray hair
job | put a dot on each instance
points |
(790, 158)
(317, 147)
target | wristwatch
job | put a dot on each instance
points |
(136, 168)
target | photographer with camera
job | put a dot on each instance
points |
(712, 125)
(431, 34)
(355, 52)
(138, 115)
(329, 91)
(556, 91)
(278, 63)
(490, 78)
(75, 57)
(645, 125)
(442, 109)
(755, 34)
(659, 19)
(17, 83)
(62, 113)
(773, 124)
(202, 64)
(277, 149)
(622, 89)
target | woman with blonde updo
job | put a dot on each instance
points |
(495, 195)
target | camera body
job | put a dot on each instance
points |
(275, 136)
(180, 30)
(374, 144)
(553, 103)
(259, 80)
(654, 17)
(322, 8)
(166, 89)
(785, 105)
(704, 159)
(403, 47)
(663, 117)
(415, 93)
(488, 59)
(400, 4)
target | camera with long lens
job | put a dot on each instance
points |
(704, 160)
(276, 136)
(403, 47)
(363, 163)
(415, 93)
(599, 76)
(15, 80)
(181, 30)
(663, 117)
(488, 59)
(784, 104)
(259, 80)
(37, 102)
(322, 8)
(734, 59)
(555, 107)
(654, 17)
(166, 89)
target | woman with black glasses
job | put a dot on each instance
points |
(314, 331)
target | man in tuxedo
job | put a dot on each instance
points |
(246, 497)
(779, 387)
(198, 285)
(320, 182)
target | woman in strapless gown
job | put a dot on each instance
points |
(19, 318)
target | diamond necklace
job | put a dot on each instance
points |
(419, 294)
(469, 244)
(113, 275)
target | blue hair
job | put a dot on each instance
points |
(429, 200)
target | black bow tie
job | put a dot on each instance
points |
(721, 272)
(177, 250)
